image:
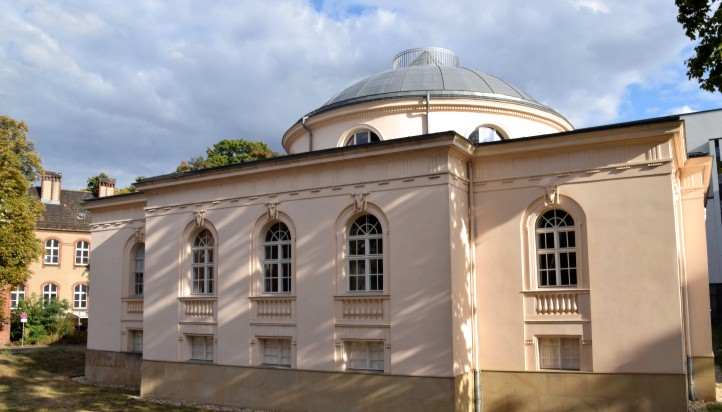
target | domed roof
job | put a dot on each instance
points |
(430, 70)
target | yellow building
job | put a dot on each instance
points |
(63, 230)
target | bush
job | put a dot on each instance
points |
(46, 323)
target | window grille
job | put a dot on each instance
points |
(277, 264)
(365, 255)
(277, 352)
(364, 355)
(561, 353)
(556, 249)
(203, 265)
(52, 252)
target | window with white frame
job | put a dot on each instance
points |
(202, 263)
(201, 348)
(362, 136)
(277, 259)
(276, 352)
(17, 295)
(50, 293)
(82, 253)
(365, 255)
(80, 296)
(485, 134)
(364, 355)
(136, 341)
(138, 270)
(52, 252)
(556, 249)
(561, 353)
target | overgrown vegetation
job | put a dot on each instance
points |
(47, 322)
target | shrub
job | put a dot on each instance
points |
(46, 323)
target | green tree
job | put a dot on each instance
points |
(19, 166)
(702, 22)
(226, 152)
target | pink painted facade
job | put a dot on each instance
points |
(456, 281)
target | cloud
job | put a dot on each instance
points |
(133, 87)
(681, 110)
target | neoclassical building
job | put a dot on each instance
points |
(435, 239)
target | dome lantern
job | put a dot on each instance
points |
(425, 55)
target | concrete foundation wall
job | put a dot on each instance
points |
(560, 391)
(113, 368)
(704, 379)
(295, 390)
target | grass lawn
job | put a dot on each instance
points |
(39, 380)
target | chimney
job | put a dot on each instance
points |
(106, 187)
(50, 187)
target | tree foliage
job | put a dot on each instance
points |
(19, 166)
(226, 152)
(702, 22)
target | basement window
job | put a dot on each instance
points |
(201, 348)
(559, 353)
(364, 355)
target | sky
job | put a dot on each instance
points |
(131, 88)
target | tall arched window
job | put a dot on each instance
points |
(50, 292)
(485, 134)
(138, 270)
(52, 252)
(82, 253)
(202, 266)
(80, 296)
(277, 259)
(362, 136)
(556, 249)
(365, 255)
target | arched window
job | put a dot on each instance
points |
(80, 296)
(138, 270)
(50, 293)
(362, 136)
(202, 266)
(17, 295)
(277, 259)
(52, 252)
(485, 134)
(556, 249)
(365, 255)
(82, 253)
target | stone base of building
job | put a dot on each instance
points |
(113, 368)
(297, 390)
(569, 391)
(704, 379)
(294, 390)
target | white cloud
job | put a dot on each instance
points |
(134, 87)
(681, 110)
(594, 6)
